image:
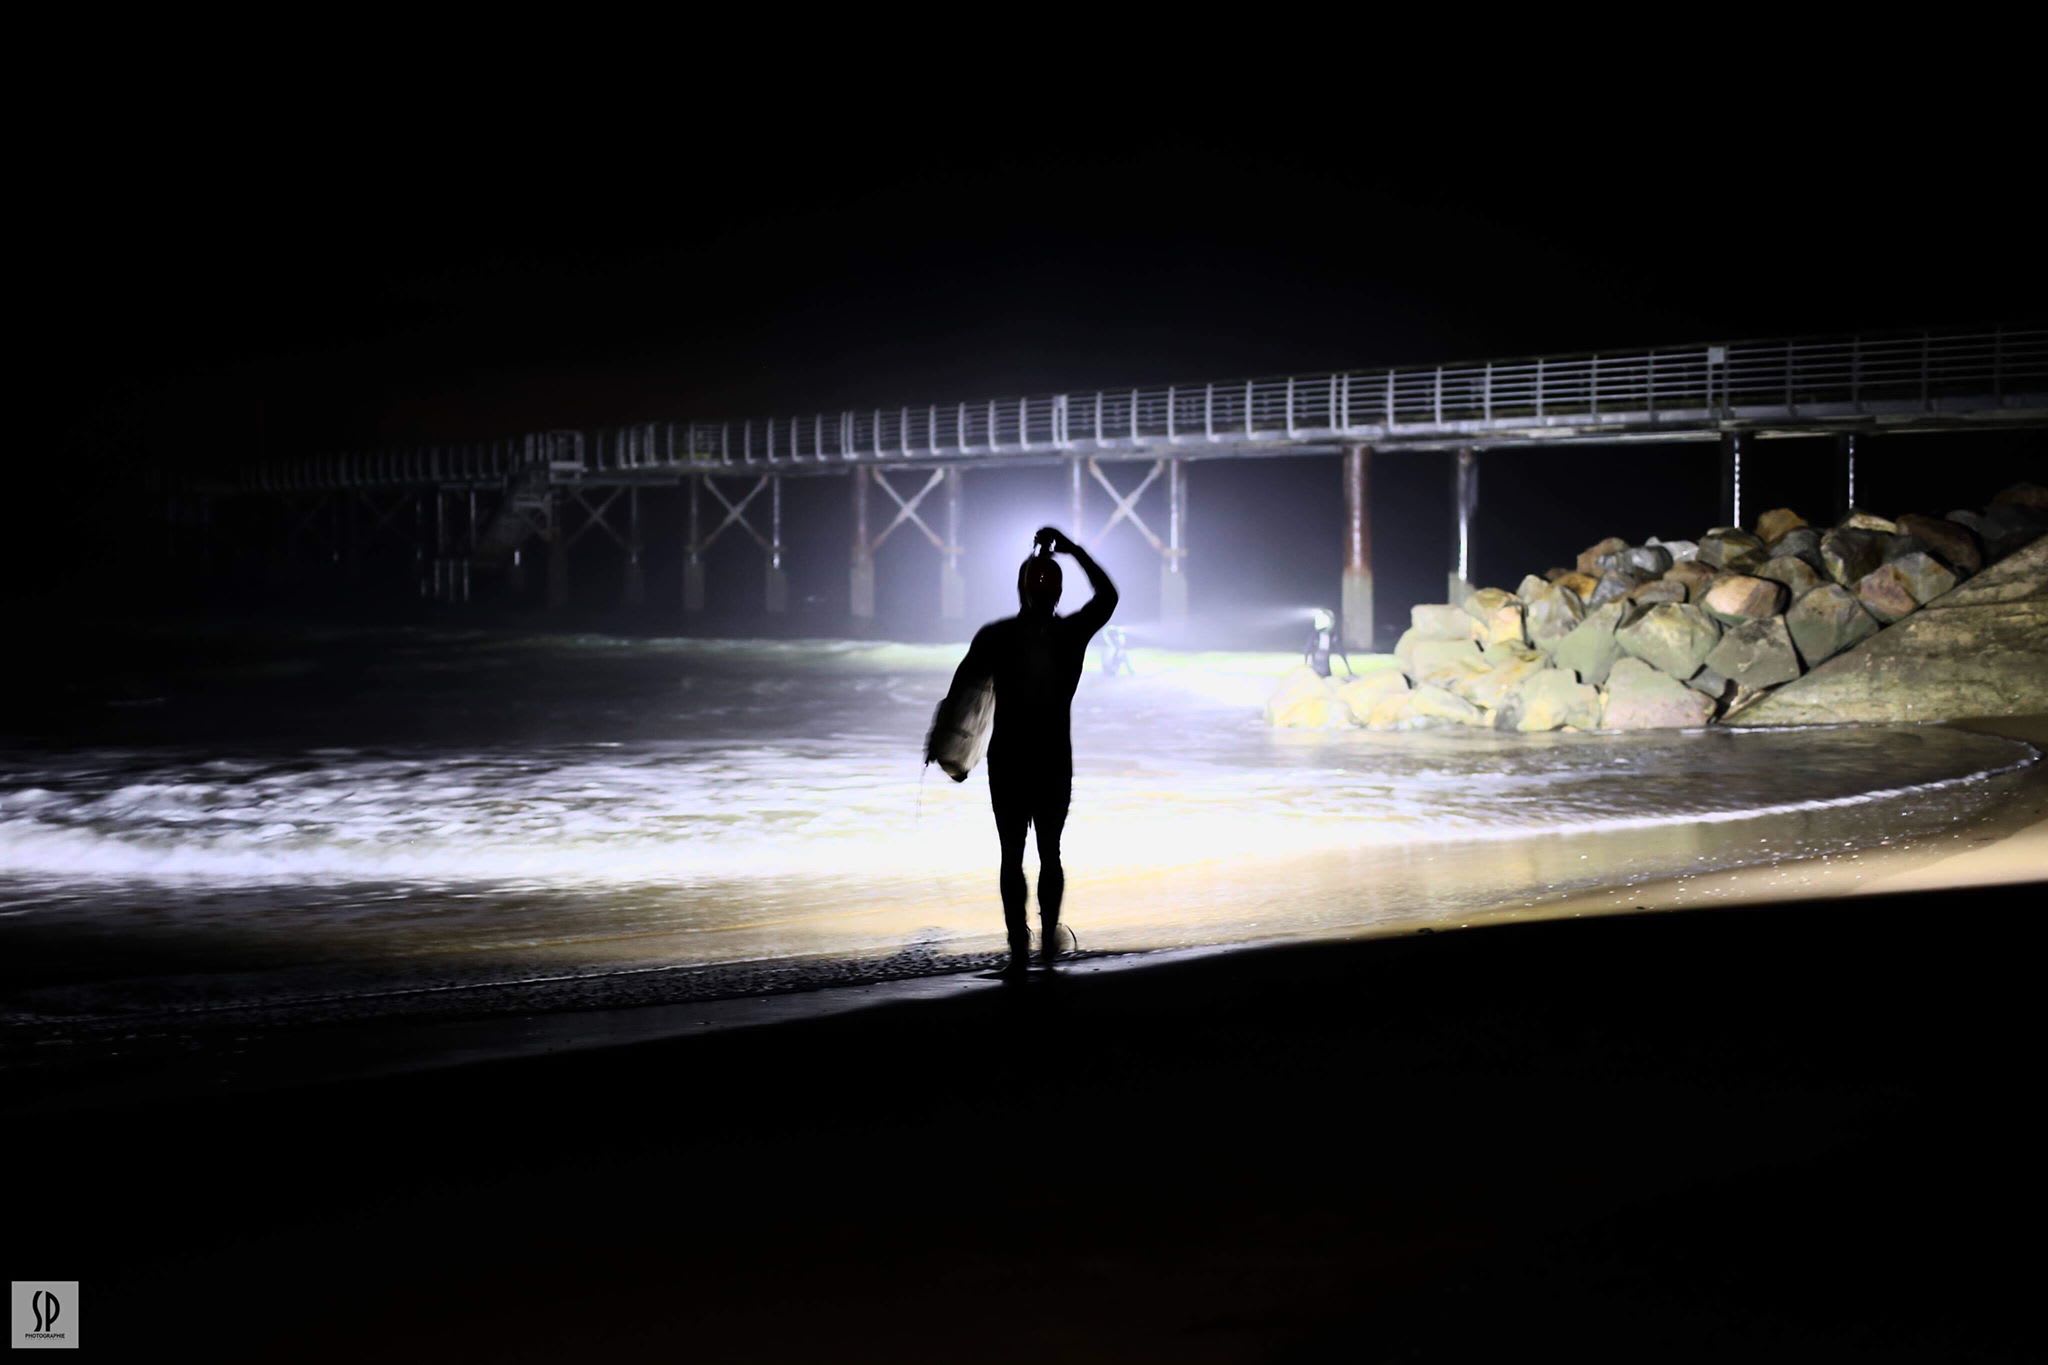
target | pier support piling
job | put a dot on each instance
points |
(861, 587)
(1845, 473)
(952, 583)
(1173, 576)
(1731, 478)
(1464, 504)
(1355, 609)
(635, 587)
(776, 597)
(693, 560)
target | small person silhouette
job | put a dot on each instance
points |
(1034, 659)
(1322, 643)
(1116, 653)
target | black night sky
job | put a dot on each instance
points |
(206, 296)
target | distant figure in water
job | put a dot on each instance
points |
(1116, 656)
(1322, 642)
(1034, 660)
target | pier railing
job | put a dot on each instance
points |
(1908, 380)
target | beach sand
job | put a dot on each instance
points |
(1786, 1118)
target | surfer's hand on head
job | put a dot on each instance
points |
(1056, 538)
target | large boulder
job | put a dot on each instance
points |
(1589, 651)
(1731, 549)
(1615, 583)
(1901, 545)
(2021, 526)
(1589, 558)
(1773, 525)
(1955, 544)
(1736, 598)
(1505, 672)
(1926, 577)
(1693, 575)
(1549, 613)
(1671, 638)
(1440, 621)
(1680, 550)
(1361, 694)
(1847, 555)
(1435, 704)
(1504, 626)
(1856, 519)
(1305, 700)
(1827, 621)
(1798, 577)
(2001, 535)
(1553, 699)
(1801, 543)
(1640, 697)
(2032, 496)
(1483, 602)
(1885, 593)
(1658, 590)
(1441, 663)
(1756, 654)
(1582, 584)
(1392, 711)
(1976, 651)
(1652, 560)
(1499, 614)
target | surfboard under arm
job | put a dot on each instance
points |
(960, 726)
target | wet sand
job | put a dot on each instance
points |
(1776, 1122)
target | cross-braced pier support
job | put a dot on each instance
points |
(1171, 549)
(952, 587)
(1355, 607)
(776, 584)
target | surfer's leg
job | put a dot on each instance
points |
(1012, 801)
(1049, 818)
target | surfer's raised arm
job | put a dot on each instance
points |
(1096, 613)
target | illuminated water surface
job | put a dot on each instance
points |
(370, 825)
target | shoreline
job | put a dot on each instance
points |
(228, 1054)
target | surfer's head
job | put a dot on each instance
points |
(1038, 585)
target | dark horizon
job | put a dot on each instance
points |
(379, 290)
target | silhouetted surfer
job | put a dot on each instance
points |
(1034, 661)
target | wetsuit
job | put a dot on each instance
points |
(1035, 661)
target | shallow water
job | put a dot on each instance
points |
(368, 818)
